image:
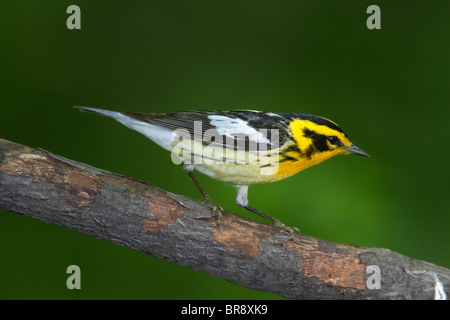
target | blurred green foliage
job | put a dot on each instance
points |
(388, 89)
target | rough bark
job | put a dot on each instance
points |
(181, 230)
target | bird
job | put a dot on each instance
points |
(240, 147)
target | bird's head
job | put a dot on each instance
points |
(320, 139)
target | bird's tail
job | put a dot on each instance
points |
(159, 135)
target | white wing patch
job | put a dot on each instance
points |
(232, 127)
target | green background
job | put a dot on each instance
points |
(388, 89)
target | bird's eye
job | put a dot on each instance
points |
(333, 139)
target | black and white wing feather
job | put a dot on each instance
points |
(240, 129)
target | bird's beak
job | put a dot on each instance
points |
(355, 150)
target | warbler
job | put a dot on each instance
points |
(241, 147)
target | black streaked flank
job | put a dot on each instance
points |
(291, 148)
(287, 158)
(308, 153)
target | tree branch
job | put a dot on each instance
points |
(181, 230)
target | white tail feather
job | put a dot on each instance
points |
(161, 136)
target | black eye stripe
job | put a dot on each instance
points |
(333, 139)
(319, 140)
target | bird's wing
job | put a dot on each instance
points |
(240, 129)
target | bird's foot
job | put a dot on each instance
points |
(282, 227)
(216, 209)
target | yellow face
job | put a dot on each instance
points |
(315, 142)
(325, 140)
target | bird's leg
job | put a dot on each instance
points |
(217, 210)
(242, 201)
(275, 222)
